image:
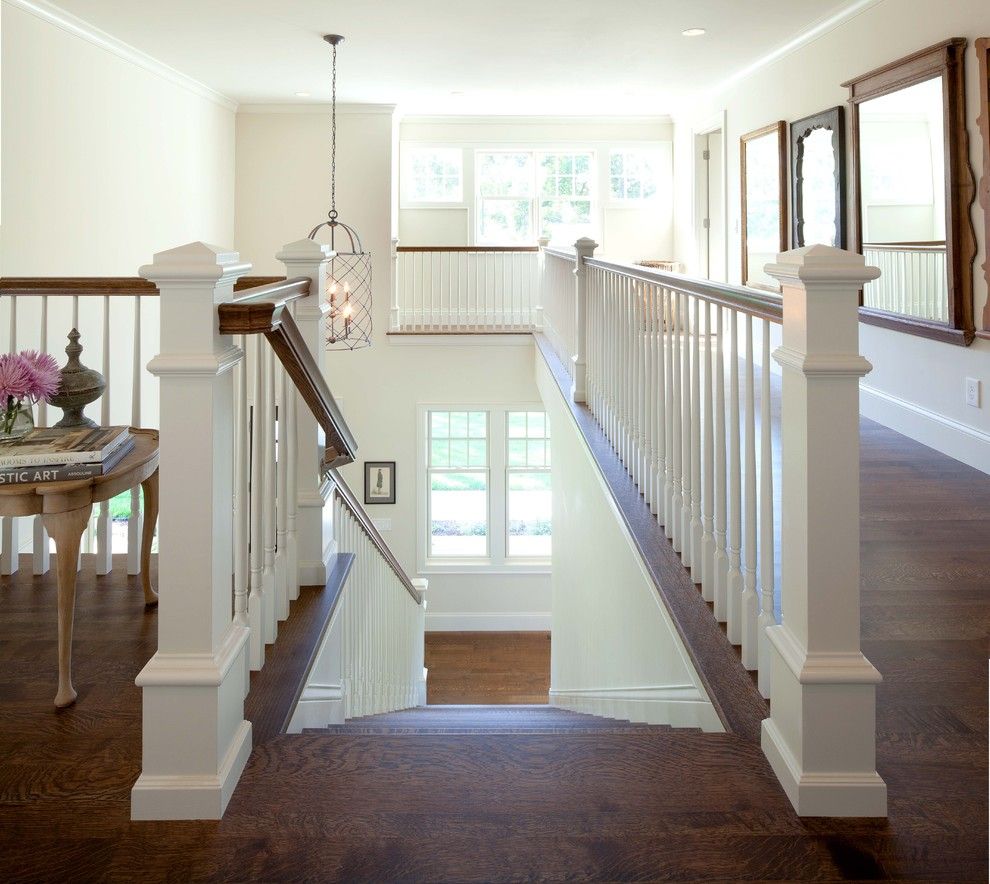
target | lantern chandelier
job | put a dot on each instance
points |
(349, 273)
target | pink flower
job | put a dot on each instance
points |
(15, 378)
(45, 375)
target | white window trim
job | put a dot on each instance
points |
(497, 561)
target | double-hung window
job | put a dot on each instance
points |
(486, 498)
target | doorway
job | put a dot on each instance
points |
(709, 214)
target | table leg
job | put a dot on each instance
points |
(66, 530)
(150, 488)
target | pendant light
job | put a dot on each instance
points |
(349, 273)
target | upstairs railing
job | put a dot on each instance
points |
(912, 282)
(677, 373)
(466, 289)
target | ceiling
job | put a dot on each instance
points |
(502, 56)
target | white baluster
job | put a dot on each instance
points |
(734, 539)
(685, 441)
(104, 527)
(708, 470)
(660, 409)
(292, 543)
(676, 497)
(767, 616)
(282, 390)
(696, 526)
(9, 524)
(135, 521)
(670, 504)
(269, 617)
(256, 593)
(242, 506)
(750, 602)
(41, 555)
(721, 561)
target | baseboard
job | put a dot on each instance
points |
(509, 622)
(964, 443)
(318, 706)
(676, 705)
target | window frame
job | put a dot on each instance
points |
(406, 202)
(497, 561)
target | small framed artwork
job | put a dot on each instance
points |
(379, 481)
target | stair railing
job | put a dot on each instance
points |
(668, 367)
(248, 445)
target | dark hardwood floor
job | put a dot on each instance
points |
(488, 667)
(653, 805)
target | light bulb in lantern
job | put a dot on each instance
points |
(348, 310)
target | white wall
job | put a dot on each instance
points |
(282, 192)
(632, 231)
(616, 651)
(104, 163)
(917, 385)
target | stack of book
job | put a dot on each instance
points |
(48, 454)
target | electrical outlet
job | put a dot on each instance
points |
(973, 392)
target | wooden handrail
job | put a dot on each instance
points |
(273, 320)
(129, 286)
(763, 305)
(279, 290)
(368, 526)
(467, 248)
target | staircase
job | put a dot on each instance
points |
(453, 720)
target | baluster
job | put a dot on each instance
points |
(135, 520)
(9, 524)
(767, 615)
(750, 603)
(696, 527)
(671, 430)
(734, 589)
(281, 493)
(721, 560)
(648, 396)
(270, 621)
(291, 497)
(41, 550)
(685, 441)
(256, 585)
(660, 410)
(708, 471)
(242, 509)
(104, 527)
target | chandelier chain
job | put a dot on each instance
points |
(333, 136)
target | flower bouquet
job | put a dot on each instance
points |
(25, 378)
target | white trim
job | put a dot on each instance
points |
(681, 705)
(401, 339)
(964, 443)
(809, 35)
(71, 24)
(314, 107)
(531, 119)
(320, 705)
(526, 621)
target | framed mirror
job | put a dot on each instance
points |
(818, 180)
(763, 179)
(913, 189)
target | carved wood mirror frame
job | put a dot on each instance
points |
(944, 60)
(780, 130)
(983, 56)
(832, 121)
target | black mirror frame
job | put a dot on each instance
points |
(832, 120)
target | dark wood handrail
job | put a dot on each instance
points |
(129, 286)
(368, 526)
(275, 322)
(467, 248)
(763, 305)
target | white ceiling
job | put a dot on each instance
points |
(505, 56)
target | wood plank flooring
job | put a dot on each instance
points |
(488, 667)
(649, 806)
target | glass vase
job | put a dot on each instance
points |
(16, 423)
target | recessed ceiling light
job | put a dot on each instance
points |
(302, 95)
(693, 32)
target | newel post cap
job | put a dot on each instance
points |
(195, 262)
(543, 241)
(585, 247)
(305, 251)
(821, 264)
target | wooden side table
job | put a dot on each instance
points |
(65, 508)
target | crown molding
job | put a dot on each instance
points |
(818, 29)
(314, 107)
(535, 119)
(71, 24)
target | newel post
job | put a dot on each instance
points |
(583, 248)
(314, 519)
(395, 284)
(195, 740)
(820, 738)
(541, 282)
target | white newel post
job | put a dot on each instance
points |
(314, 519)
(821, 734)
(194, 736)
(584, 248)
(395, 284)
(541, 282)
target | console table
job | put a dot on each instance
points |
(65, 508)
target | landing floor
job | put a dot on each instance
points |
(605, 807)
